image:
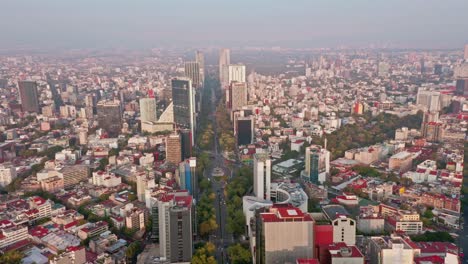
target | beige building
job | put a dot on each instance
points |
(53, 184)
(7, 174)
(401, 162)
(173, 149)
(284, 234)
(72, 175)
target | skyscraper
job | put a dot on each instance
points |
(238, 95)
(173, 149)
(192, 71)
(148, 110)
(186, 143)
(466, 53)
(236, 73)
(174, 217)
(283, 235)
(183, 96)
(317, 161)
(224, 61)
(200, 58)
(110, 117)
(244, 130)
(29, 96)
(429, 99)
(262, 175)
(187, 175)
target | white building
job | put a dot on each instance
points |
(101, 178)
(344, 228)
(224, 61)
(7, 174)
(396, 250)
(11, 233)
(236, 73)
(262, 176)
(148, 110)
(428, 98)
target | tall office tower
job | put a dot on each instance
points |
(238, 95)
(422, 66)
(224, 61)
(192, 71)
(283, 235)
(262, 175)
(461, 75)
(186, 143)
(236, 73)
(317, 165)
(245, 130)
(110, 117)
(438, 69)
(187, 175)
(173, 149)
(462, 87)
(183, 96)
(175, 228)
(148, 110)
(428, 98)
(144, 181)
(29, 96)
(200, 58)
(466, 53)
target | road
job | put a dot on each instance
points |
(222, 239)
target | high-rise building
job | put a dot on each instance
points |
(173, 149)
(236, 73)
(283, 234)
(262, 175)
(200, 58)
(110, 117)
(317, 163)
(237, 93)
(245, 130)
(429, 98)
(7, 174)
(175, 227)
(192, 71)
(29, 96)
(148, 110)
(183, 96)
(462, 87)
(186, 143)
(187, 175)
(144, 181)
(224, 61)
(466, 53)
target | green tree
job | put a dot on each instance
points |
(428, 214)
(12, 257)
(239, 254)
(433, 237)
(133, 250)
(102, 164)
(204, 254)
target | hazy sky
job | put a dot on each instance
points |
(301, 23)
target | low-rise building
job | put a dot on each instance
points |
(401, 162)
